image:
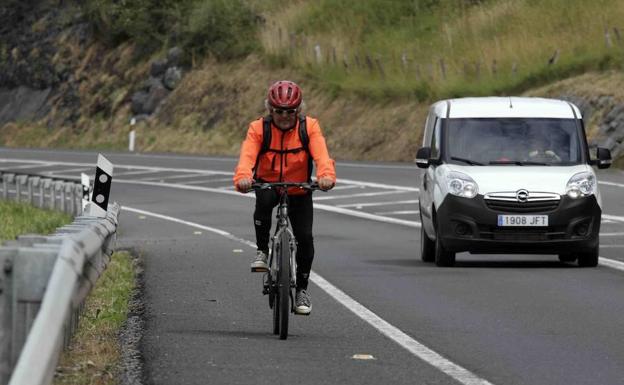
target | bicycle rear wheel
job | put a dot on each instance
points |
(283, 284)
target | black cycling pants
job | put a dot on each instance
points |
(300, 214)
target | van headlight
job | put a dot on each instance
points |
(462, 185)
(581, 185)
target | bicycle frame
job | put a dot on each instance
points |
(283, 225)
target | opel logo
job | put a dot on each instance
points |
(522, 195)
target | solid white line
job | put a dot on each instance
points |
(360, 205)
(346, 187)
(377, 185)
(69, 170)
(192, 224)
(457, 372)
(611, 234)
(611, 246)
(136, 172)
(612, 263)
(45, 164)
(119, 166)
(613, 217)
(460, 374)
(370, 194)
(209, 181)
(400, 212)
(319, 206)
(174, 177)
(611, 184)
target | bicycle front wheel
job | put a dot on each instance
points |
(283, 284)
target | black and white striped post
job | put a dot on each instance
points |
(101, 188)
(86, 189)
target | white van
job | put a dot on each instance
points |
(508, 175)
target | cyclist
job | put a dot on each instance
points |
(287, 157)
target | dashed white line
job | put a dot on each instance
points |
(419, 350)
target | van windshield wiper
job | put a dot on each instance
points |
(518, 163)
(469, 161)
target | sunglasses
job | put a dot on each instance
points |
(282, 111)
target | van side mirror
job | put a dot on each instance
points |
(422, 157)
(603, 156)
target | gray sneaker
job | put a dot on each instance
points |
(303, 303)
(259, 265)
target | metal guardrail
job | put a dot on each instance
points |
(43, 192)
(45, 279)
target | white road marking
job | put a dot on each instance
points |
(446, 366)
(399, 212)
(612, 263)
(611, 234)
(43, 164)
(611, 184)
(370, 194)
(377, 185)
(613, 217)
(119, 166)
(370, 204)
(136, 172)
(610, 246)
(174, 177)
(70, 170)
(346, 187)
(220, 180)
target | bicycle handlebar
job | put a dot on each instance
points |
(268, 185)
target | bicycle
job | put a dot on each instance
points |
(279, 281)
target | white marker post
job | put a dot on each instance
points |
(86, 188)
(131, 140)
(101, 188)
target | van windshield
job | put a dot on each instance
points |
(513, 141)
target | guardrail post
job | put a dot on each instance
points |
(6, 260)
(8, 179)
(31, 271)
(32, 182)
(60, 186)
(46, 185)
(20, 182)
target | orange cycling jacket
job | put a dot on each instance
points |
(284, 166)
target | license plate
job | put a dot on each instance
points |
(523, 220)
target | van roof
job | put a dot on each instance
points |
(506, 107)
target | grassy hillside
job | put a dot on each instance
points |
(369, 69)
(438, 49)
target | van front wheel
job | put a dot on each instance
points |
(588, 259)
(443, 257)
(427, 246)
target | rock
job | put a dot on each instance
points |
(138, 102)
(151, 83)
(158, 68)
(172, 77)
(173, 57)
(155, 96)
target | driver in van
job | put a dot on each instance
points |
(540, 151)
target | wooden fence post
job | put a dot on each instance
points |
(442, 68)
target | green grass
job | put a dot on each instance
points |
(402, 46)
(21, 218)
(93, 354)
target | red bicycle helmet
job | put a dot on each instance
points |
(285, 94)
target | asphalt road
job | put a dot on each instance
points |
(499, 319)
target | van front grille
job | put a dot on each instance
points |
(522, 207)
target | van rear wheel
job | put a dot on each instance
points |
(443, 257)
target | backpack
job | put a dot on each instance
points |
(303, 137)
